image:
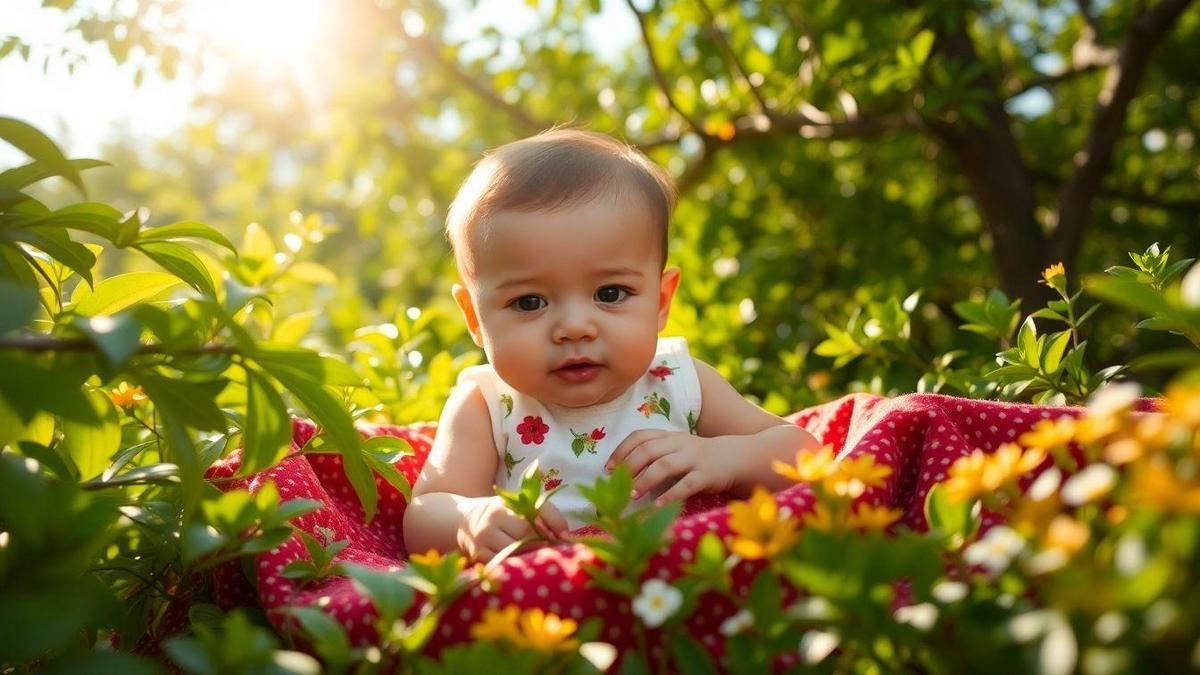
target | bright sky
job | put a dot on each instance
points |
(81, 110)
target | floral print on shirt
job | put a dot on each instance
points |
(532, 430)
(653, 403)
(663, 371)
(586, 442)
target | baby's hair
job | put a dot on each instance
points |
(557, 169)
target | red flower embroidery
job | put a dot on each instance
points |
(597, 434)
(551, 480)
(661, 372)
(532, 430)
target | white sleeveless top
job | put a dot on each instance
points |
(572, 445)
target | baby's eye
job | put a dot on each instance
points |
(528, 303)
(611, 294)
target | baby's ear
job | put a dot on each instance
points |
(666, 291)
(462, 298)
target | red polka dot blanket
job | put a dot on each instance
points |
(919, 436)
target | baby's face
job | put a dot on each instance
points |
(567, 304)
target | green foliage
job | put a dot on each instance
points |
(819, 148)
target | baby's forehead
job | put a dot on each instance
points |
(493, 235)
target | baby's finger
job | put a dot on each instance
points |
(685, 487)
(647, 453)
(554, 519)
(626, 446)
(671, 464)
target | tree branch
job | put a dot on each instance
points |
(738, 69)
(1016, 88)
(656, 71)
(431, 50)
(1120, 86)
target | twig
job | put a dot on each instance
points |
(656, 71)
(732, 57)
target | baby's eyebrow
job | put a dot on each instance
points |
(519, 281)
(621, 270)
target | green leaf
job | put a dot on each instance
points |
(306, 364)
(187, 229)
(20, 305)
(192, 402)
(52, 384)
(24, 176)
(329, 639)
(390, 474)
(99, 219)
(180, 261)
(121, 291)
(329, 412)
(55, 243)
(267, 433)
(39, 147)
(1055, 346)
(952, 519)
(90, 445)
(200, 540)
(1027, 343)
(117, 337)
(690, 656)
(390, 596)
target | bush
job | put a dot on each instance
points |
(119, 392)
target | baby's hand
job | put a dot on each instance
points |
(655, 457)
(489, 526)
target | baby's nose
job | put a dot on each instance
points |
(574, 324)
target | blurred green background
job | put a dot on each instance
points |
(830, 155)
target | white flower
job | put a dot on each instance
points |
(996, 550)
(1045, 485)
(815, 645)
(1090, 484)
(1189, 290)
(949, 591)
(657, 601)
(737, 623)
(1112, 398)
(1045, 562)
(922, 616)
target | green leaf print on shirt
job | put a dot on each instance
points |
(510, 462)
(586, 441)
(653, 403)
(691, 421)
(506, 401)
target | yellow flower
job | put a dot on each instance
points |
(1050, 434)
(498, 624)
(1051, 274)
(547, 632)
(966, 478)
(1065, 534)
(1156, 485)
(820, 518)
(1124, 450)
(867, 517)
(125, 396)
(1096, 428)
(758, 529)
(811, 465)
(862, 468)
(1010, 462)
(1182, 403)
(433, 558)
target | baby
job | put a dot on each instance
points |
(560, 242)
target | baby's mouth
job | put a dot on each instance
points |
(578, 370)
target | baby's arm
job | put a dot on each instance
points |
(735, 446)
(454, 505)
